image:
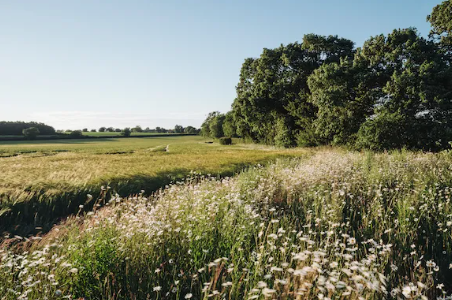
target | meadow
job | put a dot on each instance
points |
(113, 134)
(330, 224)
(42, 181)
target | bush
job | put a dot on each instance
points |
(30, 133)
(76, 134)
(225, 141)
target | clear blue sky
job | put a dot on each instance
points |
(84, 63)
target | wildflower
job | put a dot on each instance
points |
(268, 292)
(430, 264)
(188, 296)
(157, 288)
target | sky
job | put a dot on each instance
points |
(86, 64)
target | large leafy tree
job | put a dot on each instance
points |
(441, 21)
(411, 86)
(274, 87)
(393, 92)
(342, 100)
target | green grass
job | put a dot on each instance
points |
(119, 133)
(45, 180)
(339, 224)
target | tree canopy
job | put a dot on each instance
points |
(16, 128)
(395, 91)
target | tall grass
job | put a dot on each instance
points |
(335, 225)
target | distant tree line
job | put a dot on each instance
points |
(31, 130)
(17, 128)
(177, 129)
(395, 91)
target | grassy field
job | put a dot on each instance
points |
(119, 133)
(41, 181)
(330, 225)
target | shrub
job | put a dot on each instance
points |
(31, 132)
(225, 141)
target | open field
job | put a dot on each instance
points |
(329, 225)
(119, 133)
(41, 181)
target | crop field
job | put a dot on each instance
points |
(329, 224)
(42, 181)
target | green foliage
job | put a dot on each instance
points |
(229, 128)
(76, 134)
(225, 141)
(441, 21)
(137, 129)
(323, 92)
(384, 131)
(102, 129)
(31, 133)
(16, 128)
(191, 130)
(283, 137)
(178, 129)
(126, 132)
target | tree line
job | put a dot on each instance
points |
(32, 129)
(16, 128)
(395, 91)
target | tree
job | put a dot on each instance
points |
(30, 133)
(178, 129)
(137, 129)
(441, 21)
(93, 130)
(85, 130)
(76, 134)
(16, 128)
(340, 95)
(102, 129)
(216, 126)
(110, 129)
(126, 132)
(190, 130)
(411, 90)
(229, 128)
(117, 130)
(274, 86)
(205, 127)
